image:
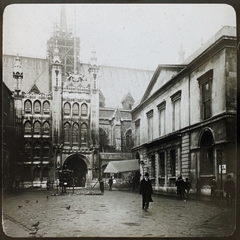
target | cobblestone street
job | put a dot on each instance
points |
(114, 214)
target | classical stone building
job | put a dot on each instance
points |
(63, 113)
(185, 123)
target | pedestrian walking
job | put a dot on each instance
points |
(101, 185)
(180, 183)
(188, 186)
(110, 183)
(198, 188)
(229, 188)
(146, 191)
(48, 184)
(17, 183)
(213, 185)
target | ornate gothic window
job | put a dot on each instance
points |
(67, 108)
(46, 151)
(28, 151)
(75, 109)
(84, 133)
(37, 107)
(129, 138)
(36, 174)
(27, 128)
(67, 133)
(84, 109)
(37, 127)
(36, 151)
(46, 107)
(28, 106)
(46, 128)
(75, 133)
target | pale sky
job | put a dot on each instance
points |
(123, 35)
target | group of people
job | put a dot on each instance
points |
(183, 188)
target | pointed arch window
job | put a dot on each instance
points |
(46, 128)
(75, 109)
(28, 106)
(129, 138)
(27, 128)
(67, 133)
(75, 133)
(46, 151)
(84, 109)
(27, 151)
(67, 108)
(37, 107)
(84, 133)
(36, 151)
(46, 107)
(37, 127)
(45, 173)
(36, 174)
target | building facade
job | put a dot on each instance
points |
(62, 115)
(186, 121)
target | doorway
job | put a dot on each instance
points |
(79, 167)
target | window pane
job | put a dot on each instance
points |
(67, 109)
(28, 107)
(37, 107)
(36, 128)
(75, 133)
(75, 109)
(67, 133)
(84, 133)
(84, 110)
(46, 128)
(46, 107)
(27, 129)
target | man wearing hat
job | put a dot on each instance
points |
(146, 191)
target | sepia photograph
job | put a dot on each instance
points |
(119, 120)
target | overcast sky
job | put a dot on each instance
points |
(124, 35)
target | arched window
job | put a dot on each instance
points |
(45, 174)
(129, 138)
(46, 128)
(207, 158)
(28, 106)
(46, 151)
(75, 109)
(67, 109)
(46, 107)
(67, 133)
(37, 128)
(84, 109)
(27, 128)
(84, 133)
(103, 140)
(37, 107)
(28, 152)
(36, 174)
(75, 133)
(36, 151)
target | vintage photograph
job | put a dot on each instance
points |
(119, 120)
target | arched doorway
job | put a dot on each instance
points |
(207, 156)
(79, 167)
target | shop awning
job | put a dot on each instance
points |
(122, 166)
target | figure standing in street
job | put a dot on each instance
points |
(198, 188)
(180, 188)
(213, 185)
(48, 184)
(146, 191)
(17, 183)
(110, 183)
(229, 188)
(188, 186)
(101, 185)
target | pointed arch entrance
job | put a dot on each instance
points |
(77, 163)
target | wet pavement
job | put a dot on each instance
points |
(87, 213)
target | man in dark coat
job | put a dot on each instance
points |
(146, 191)
(110, 182)
(213, 185)
(229, 188)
